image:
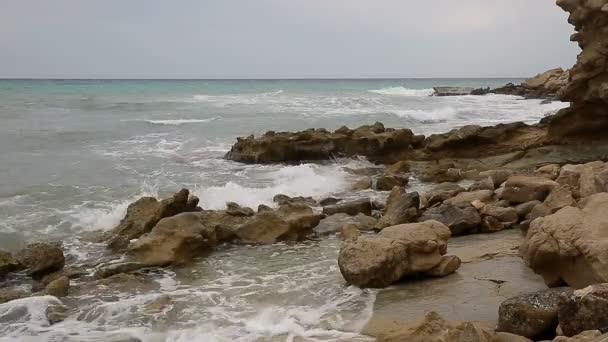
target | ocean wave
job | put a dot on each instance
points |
(177, 122)
(402, 91)
(428, 116)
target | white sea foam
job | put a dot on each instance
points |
(176, 122)
(402, 91)
(302, 180)
(426, 116)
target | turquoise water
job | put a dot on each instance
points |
(75, 153)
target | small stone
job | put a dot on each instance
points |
(349, 232)
(362, 184)
(58, 287)
(448, 265)
(41, 258)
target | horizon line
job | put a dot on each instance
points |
(246, 79)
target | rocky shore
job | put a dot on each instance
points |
(511, 234)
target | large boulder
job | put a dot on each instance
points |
(442, 192)
(461, 220)
(532, 315)
(507, 216)
(41, 258)
(584, 179)
(174, 240)
(570, 246)
(585, 309)
(143, 214)
(559, 198)
(396, 252)
(522, 189)
(464, 198)
(354, 207)
(372, 141)
(401, 207)
(334, 223)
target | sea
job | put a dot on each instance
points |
(75, 153)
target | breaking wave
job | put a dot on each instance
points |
(402, 91)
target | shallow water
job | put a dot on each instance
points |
(74, 154)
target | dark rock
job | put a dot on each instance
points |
(329, 201)
(460, 219)
(41, 258)
(363, 206)
(401, 207)
(333, 224)
(387, 183)
(58, 287)
(236, 210)
(7, 264)
(585, 309)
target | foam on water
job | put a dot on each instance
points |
(177, 122)
(428, 116)
(402, 91)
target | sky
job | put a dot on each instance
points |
(282, 38)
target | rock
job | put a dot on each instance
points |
(490, 224)
(58, 287)
(143, 214)
(263, 207)
(498, 176)
(485, 184)
(452, 91)
(464, 198)
(8, 294)
(587, 336)
(522, 189)
(448, 265)
(363, 184)
(539, 210)
(372, 141)
(585, 309)
(442, 192)
(386, 183)
(558, 198)
(525, 208)
(478, 204)
(301, 219)
(234, 209)
(398, 167)
(435, 329)
(349, 232)
(461, 220)
(106, 271)
(7, 264)
(334, 223)
(397, 251)
(570, 246)
(174, 240)
(41, 258)
(284, 200)
(508, 216)
(289, 222)
(550, 171)
(56, 313)
(531, 315)
(506, 337)
(363, 205)
(329, 201)
(401, 207)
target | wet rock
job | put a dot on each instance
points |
(398, 167)
(262, 208)
(234, 209)
(584, 179)
(508, 215)
(58, 287)
(349, 231)
(401, 207)
(522, 189)
(11, 293)
(363, 206)
(558, 198)
(386, 183)
(397, 251)
(329, 201)
(7, 264)
(531, 315)
(452, 91)
(485, 184)
(362, 184)
(334, 223)
(56, 313)
(490, 224)
(506, 337)
(174, 240)
(105, 271)
(448, 265)
(570, 245)
(539, 210)
(372, 141)
(41, 258)
(289, 222)
(443, 192)
(461, 220)
(550, 171)
(464, 198)
(587, 336)
(284, 200)
(498, 176)
(44, 310)
(143, 214)
(525, 208)
(585, 309)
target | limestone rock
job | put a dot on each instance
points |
(507, 215)
(174, 240)
(289, 222)
(587, 336)
(448, 265)
(442, 192)
(585, 309)
(531, 315)
(525, 208)
(234, 209)
(334, 223)
(58, 287)
(108, 270)
(522, 189)
(349, 232)
(401, 207)
(469, 197)
(11, 293)
(363, 205)
(7, 264)
(143, 214)
(461, 220)
(485, 184)
(386, 183)
(558, 198)
(550, 171)
(363, 184)
(397, 251)
(506, 337)
(41, 258)
(498, 176)
(490, 224)
(570, 246)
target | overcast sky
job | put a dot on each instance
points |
(282, 38)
